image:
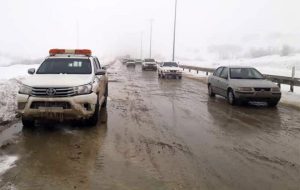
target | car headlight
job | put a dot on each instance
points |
(25, 90)
(84, 89)
(244, 89)
(275, 89)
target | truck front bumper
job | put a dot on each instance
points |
(61, 108)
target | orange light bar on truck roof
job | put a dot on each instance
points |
(85, 52)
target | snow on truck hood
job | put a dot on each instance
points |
(57, 80)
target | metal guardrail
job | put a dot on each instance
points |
(292, 81)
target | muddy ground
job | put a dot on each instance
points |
(159, 134)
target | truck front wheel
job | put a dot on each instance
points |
(92, 121)
(27, 122)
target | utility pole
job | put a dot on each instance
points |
(141, 53)
(174, 32)
(151, 22)
(77, 34)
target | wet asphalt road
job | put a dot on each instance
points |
(160, 134)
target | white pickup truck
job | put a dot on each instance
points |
(169, 69)
(68, 85)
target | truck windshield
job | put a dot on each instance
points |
(245, 73)
(170, 64)
(65, 66)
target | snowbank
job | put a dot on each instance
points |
(8, 102)
(13, 71)
(7, 162)
(291, 99)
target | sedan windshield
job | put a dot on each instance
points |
(65, 66)
(170, 64)
(245, 73)
(149, 60)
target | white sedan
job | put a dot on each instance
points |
(169, 69)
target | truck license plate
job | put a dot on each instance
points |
(51, 112)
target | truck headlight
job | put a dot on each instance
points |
(244, 89)
(25, 90)
(84, 89)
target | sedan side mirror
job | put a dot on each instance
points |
(100, 72)
(104, 68)
(31, 71)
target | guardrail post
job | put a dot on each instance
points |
(189, 70)
(197, 71)
(279, 85)
(206, 73)
(292, 87)
(293, 77)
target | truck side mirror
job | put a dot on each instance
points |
(31, 71)
(100, 72)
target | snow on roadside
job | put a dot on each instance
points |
(7, 162)
(8, 102)
(13, 71)
(10, 77)
(291, 99)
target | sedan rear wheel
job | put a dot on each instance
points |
(210, 91)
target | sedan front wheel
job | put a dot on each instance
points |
(231, 98)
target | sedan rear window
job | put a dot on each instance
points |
(245, 73)
(65, 66)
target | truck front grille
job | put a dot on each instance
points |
(38, 104)
(53, 92)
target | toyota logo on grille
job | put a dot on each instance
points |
(50, 91)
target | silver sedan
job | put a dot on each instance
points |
(243, 84)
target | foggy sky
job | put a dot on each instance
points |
(29, 28)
